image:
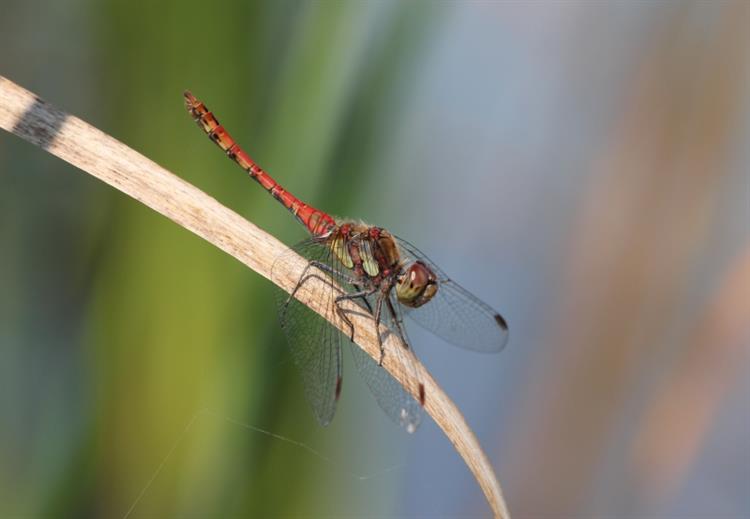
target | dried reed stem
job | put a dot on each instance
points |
(69, 138)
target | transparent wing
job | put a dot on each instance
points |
(397, 403)
(454, 313)
(314, 343)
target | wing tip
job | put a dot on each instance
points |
(339, 380)
(501, 322)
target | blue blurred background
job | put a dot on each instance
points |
(581, 166)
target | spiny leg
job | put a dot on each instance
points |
(340, 311)
(299, 284)
(378, 312)
(330, 270)
(376, 316)
(364, 299)
(304, 277)
(399, 327)
(399, 322)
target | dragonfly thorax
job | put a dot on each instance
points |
(372, 252)
(368, 251)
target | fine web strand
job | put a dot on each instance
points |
(181, 435)
(164, 460)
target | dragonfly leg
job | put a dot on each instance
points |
(399, 322)
(330, 270)
(364, 299)
(378, 313)
(299, 284)
(301, 281)
(340, 311)
(305, 276)
(377, 317)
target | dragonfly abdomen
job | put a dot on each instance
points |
(317, 222)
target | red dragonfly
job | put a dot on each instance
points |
(385, 275)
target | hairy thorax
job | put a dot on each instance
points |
(372, 255)
(370, 252)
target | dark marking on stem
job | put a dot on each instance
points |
(40, 123)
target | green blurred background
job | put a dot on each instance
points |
(581, 166)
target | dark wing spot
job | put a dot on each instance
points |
(501, 322)
(421, 395)
(338, 387)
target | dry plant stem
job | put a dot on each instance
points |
(98, 154)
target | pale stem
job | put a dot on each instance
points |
(96, 153)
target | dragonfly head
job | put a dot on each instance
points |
(416, 285)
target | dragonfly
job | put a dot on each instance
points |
(384, 275)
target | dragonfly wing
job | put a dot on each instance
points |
(314, 343)
(454, 313)
(397, 403)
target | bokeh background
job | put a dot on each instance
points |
(581, 166)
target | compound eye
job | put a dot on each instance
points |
(417, 285)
